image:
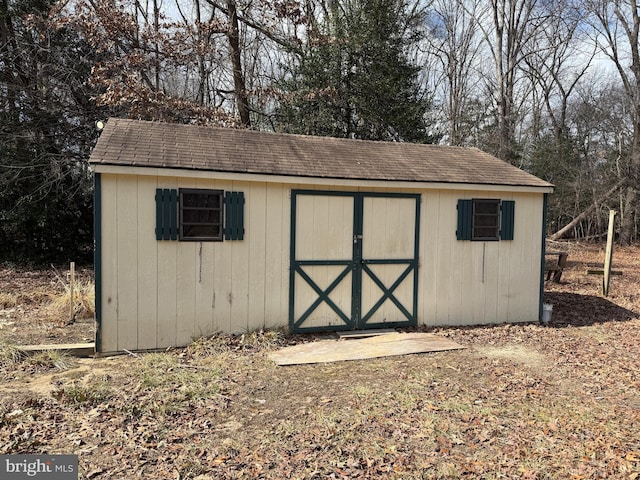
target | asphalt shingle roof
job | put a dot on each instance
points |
(157, 144)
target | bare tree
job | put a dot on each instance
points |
(508, 27)
(616, 27)
(454, 41)
(186, 66)
(557, 62)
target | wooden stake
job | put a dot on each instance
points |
(72, 281)
(608, 255)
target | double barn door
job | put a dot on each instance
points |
(354, 260)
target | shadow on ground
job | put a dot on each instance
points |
(579, 310)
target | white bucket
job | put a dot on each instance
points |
(547, 309)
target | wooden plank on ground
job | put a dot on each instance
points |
(359, 349)
(601, 272)
(75, 349)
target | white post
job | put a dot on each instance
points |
(72, 281)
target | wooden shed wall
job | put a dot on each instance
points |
(162, 293)
(466, 283)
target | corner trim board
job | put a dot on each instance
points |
(97, 257)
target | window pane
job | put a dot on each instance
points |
(490, 206)
(192, 231)
(201, 216)
(201, 200)
(190, 200)
(486, 221)
(484, 232)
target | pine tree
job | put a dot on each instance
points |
(354, 79)
(46, 133)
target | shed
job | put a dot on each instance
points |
(201, 230)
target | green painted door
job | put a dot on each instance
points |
(354, 260)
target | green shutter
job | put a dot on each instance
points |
(507, 222)
(173, 214)
(465, 219)
(166, 214)
(234, 216)
(159, 209)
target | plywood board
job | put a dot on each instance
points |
(365, 333)
(373, 347)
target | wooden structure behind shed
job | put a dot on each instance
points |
(202, 229)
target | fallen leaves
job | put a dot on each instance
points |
(522, 401)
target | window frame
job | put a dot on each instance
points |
(497, 215)
(182, 208)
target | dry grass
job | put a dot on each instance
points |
(8, 300)
(10, 355)
(49, 359)
(84, 393)
(35, 309)
(83, 298)
(522, 401)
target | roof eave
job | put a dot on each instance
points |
(162, 171)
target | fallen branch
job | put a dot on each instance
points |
(564, 230)
(128, 352)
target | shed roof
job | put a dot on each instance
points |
(156, 144)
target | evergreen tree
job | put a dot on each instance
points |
(354, 79)
(46, 133)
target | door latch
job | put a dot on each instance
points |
(356, 238)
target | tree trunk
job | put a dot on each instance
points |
(630, 22)
(156, 34)
(202, 72)
(631, 196)
(240, 88)
(514, 27)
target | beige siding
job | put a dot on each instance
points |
(147, 272)
(463, 282)
(276, 256)
(108, 333)
(162, 293)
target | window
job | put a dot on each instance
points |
(485, 219)
(201, 213)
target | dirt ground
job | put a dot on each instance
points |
(578, 298)
(520, 401)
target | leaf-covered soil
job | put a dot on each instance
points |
(34, 306)
(521, 401)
